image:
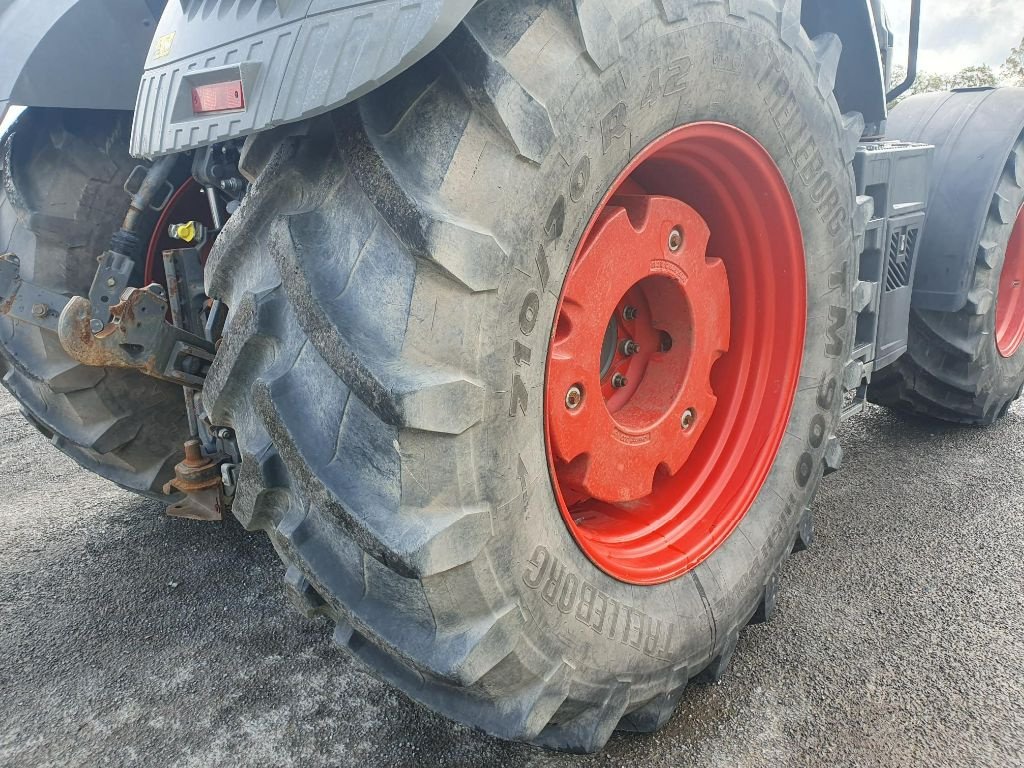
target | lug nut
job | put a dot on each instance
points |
(630, 348)
(40, 310)
(619, 381)
(689, 416)
(629, 313)
(96, 325)
(675, 240)
(111, 282)
(574, 398)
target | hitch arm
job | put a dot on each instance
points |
(26, 302)
(138, 335)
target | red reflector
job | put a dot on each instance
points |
(219, 97)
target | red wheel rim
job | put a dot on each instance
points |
(188, 203)
(1010, 300)
(696, 255)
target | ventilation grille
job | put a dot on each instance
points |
(901, 259)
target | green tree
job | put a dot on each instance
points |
(977, 76)
(1012, 71)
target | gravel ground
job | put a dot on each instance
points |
(130, 638)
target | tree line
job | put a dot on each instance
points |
(975, 76)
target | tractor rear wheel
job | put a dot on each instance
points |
(534, 353)
(62, 197)
(966, 365)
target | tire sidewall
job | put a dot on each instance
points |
(666, 77)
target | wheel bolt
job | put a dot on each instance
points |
(619, 381)
(675, 240)
(630, 347)
(40, 310)
(629, 313)
(574, 398)
(689, 416)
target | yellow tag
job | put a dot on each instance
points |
(163, 46)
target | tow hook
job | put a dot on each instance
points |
(137, 336)
(200, 478)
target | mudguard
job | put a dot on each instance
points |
(74, 53)
(286, 60)
(289, 59)
(974, 131)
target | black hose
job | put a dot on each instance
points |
(155, 179)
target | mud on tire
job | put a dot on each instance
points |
(62, 198)
(393, 275)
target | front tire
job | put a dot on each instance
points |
(394, 276)
(966, 365)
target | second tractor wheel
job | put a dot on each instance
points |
(62, 198)
(535, 354)
(965, 360)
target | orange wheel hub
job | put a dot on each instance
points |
(675, 353)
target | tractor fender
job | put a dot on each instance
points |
(291, 60)
(974, 131)
(288, 60)
(84, 54)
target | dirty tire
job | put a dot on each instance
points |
(63, 174)
(378, 273)
(953, 370)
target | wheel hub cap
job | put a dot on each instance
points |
(663, 332)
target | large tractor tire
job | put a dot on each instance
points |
(431, 295)
(966, 365)
(63, 174)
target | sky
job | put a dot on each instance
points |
(958, 33)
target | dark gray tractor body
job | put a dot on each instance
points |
(84, 54)
(296, 59)
(293, 59)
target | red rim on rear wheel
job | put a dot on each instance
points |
(1010, 299)
(676, 353)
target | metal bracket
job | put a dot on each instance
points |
(27, 302)
(186, 291)
(112, 277)
(137, 337)
(200, 478)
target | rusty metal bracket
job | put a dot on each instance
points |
(26, 302)
(199, 477)
(137, 337)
